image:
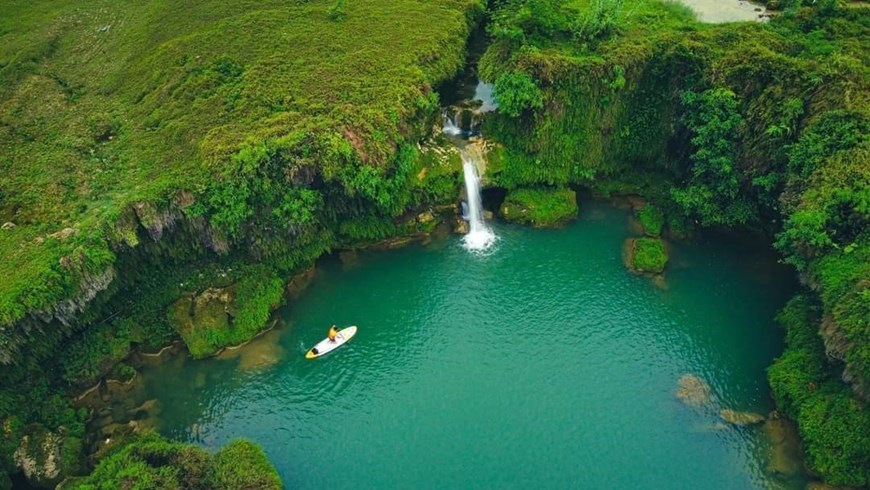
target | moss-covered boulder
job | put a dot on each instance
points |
(539, 206)
(47, 457)
(646, 255)
(651, 220)
(219, 317)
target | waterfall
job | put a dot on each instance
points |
(449, 126)
(479, 236)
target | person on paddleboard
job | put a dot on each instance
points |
(332, 333)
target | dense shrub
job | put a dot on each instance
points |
(712, 193)
(241, 465)
(151, 462)
(651, 219)
(834, 426)
(516, 93)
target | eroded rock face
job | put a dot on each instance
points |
(741, 418)
(693, 391)
(45, 456)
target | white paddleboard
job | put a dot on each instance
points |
(326, 346)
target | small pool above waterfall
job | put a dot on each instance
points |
(544, 364)
(720, 11)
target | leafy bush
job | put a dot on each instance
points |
(91, 354)
(601, 20)
(241, 465)
(834, 426)
(152, 462)
(712, 193)
(516, 92)
(336, 11)
(651, 219)
(258, 295)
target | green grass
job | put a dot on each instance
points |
(102, 107)
(539, 206)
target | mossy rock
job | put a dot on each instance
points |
(651, 219)
(47, 457)
(646, 255)
(199, 319)
(221, 317)
(540, 207)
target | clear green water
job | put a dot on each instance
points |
(545, 364)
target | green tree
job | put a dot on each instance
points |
(712, 193)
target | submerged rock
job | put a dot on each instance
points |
(711, 427)
(301, 281)
(397, 242)
(693, 390)
(660, 282)
(786, 452)
(741, 418)
(260, 353)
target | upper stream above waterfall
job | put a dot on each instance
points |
(543, 364)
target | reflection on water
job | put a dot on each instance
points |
(543, 364)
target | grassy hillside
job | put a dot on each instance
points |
(153, 150)
(104, 107)
(765, 126)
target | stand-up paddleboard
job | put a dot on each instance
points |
(326, 346)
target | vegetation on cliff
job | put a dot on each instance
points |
(161, 150)
(238, 121)
(158, 151)
(807, 388)
(751, 125)
(152, 462)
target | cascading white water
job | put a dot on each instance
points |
(479, 236)
(449, 127)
